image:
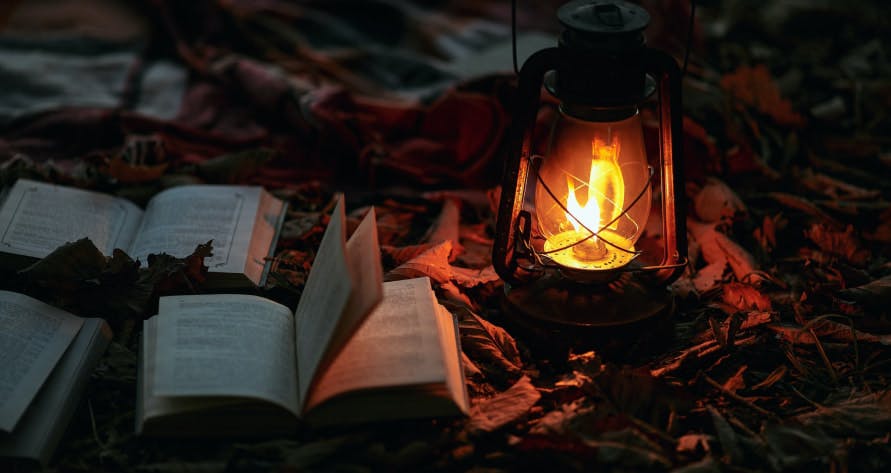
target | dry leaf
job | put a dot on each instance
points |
(694, 443)
(777, 374)
(835, 188)
(629, 449)
(730, 443)
(70, 264)
(505, 407)
(129, 173)
(487, 342)
(709, 276)
(467, 278)
(874, 295)
(716, 201)
(471, 370)
(755, 87)
(736, 382)
(398, 255)
(843, 244)
(433, 263)
(744, 297)
(741, 262)
(804, 205)
(826, 328)
(446, 227)
(637, 393)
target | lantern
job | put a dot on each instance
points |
(572, 240)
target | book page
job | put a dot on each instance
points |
(179, 219)
(398, 344)
(41, 427)
(269, 219)
(364, 260)
(33, 336)
(225, 345)
(147, 404)
(450, 341)
(324, 297)
(36, 218)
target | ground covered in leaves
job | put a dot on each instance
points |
(778, 360)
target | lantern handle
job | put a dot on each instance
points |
(674, 225)
(515, 172)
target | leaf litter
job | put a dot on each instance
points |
(779, 359)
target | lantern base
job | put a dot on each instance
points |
(557, 315)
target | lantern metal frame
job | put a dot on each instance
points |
(603, 68)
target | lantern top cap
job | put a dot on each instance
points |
(603, 17)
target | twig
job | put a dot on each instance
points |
(806, 399)
(736, 397)
(645, 426)
(824, 357)
(99, 442)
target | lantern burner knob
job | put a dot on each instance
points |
(591, 249)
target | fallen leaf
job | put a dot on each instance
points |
(128, 173)
(825, 328)
(709, 276)
(790, 446)
(804, 205)
(557, 422)
(843, 244)
(736, 381)
(433, 263)
(639, 394)
(694, 443)
(744, 297)
(740, 261)
(755, 87)
(485, 341)
(446, 227)
(874, 295)
(471, 370)
(835, 188)
(730, 443)
(777, 374)
(172, 274)
(716, 201)
(467, 277)
(70, 264)
(399, 255)
(706, 465)
(629, 449)
(505, 407)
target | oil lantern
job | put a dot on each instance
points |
(590, 230)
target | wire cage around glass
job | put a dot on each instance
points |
(591, 192)
(574, 208)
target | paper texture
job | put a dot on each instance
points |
(36, 218)
(179, 219)
(324, 297)
(225, 345)
(33, 337)
(398, 344)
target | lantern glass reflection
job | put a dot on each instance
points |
(592, 196)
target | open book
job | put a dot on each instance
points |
(47, 356)
(242, 221)
(356, 350)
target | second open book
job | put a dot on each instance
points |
(356, 350)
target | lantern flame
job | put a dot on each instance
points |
(606, 191)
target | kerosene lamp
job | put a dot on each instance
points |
(575, 205)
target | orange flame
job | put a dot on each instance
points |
(605, 189)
